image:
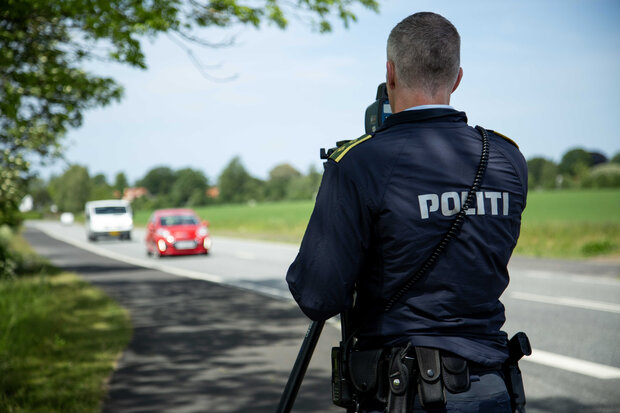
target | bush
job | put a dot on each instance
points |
(8, 260)
(593, 248)
(16, 257)
(603, 176)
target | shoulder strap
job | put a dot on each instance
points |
(454, 228)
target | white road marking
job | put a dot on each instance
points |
(589, 279)
(245, 255)
(588, 368)
(568, 301)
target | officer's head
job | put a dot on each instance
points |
(423, 53)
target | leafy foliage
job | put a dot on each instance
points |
(237, 185)
(189, 188)
(120, 183)
(158, 180)
(603, 176)
(575, 161)
(71, 190)
(44, 45)
(279, 178)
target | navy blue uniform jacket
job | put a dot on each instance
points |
(384, 203)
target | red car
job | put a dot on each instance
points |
(177, 232)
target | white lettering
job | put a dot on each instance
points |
(424, 207)
(446, 210)
(450, 203)
(480, 202)
(493, 196)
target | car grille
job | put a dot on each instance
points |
(185, 245)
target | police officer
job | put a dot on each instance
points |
(388, 198)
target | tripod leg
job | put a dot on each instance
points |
(299, 368)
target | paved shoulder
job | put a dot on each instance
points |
(199, 346)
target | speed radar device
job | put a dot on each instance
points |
(376, 113)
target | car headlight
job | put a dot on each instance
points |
(164, 233)
(202, 232)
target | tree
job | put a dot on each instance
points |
(575, 161)
(39, 191)
(158, 181)
(304, 187)
(71, 190)
(542, 173)
(44, 45)
(189, 188)
(99, 188)
(279, 178)
(120, 183)
(237, 185)
(597, 158)
(615, 158)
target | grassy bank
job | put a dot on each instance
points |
(59, 340)
(567, 224)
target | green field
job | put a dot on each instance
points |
(274, 221)
(568, 224)
(571, 224)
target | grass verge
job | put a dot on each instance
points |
(59, 340)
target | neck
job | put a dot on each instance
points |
(405, 99)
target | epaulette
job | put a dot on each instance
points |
(342, 150)
(506, 138)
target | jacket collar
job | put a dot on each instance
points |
(421, 115)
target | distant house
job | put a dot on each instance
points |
(129, 194)
(213, 192)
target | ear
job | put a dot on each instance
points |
(458, 79)
(391, 75)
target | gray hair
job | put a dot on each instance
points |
(425, 48)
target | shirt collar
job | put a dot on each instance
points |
(420, 107)
(406, 116)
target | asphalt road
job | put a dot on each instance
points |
(570, 311)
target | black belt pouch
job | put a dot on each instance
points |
(366, 368)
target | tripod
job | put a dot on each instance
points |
(303, 359)
(299, 368)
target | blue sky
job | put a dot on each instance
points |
(545, 73)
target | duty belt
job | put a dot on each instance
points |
(394, 376)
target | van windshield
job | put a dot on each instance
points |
(110, 210)
(178, 220)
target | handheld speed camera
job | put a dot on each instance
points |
(376, 114)
(378, 111)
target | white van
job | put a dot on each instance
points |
(108, 218)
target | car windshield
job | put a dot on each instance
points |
(110, 210)
(170, 220)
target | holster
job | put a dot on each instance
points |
(402, 372)
(342, 393)
(518, 346)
